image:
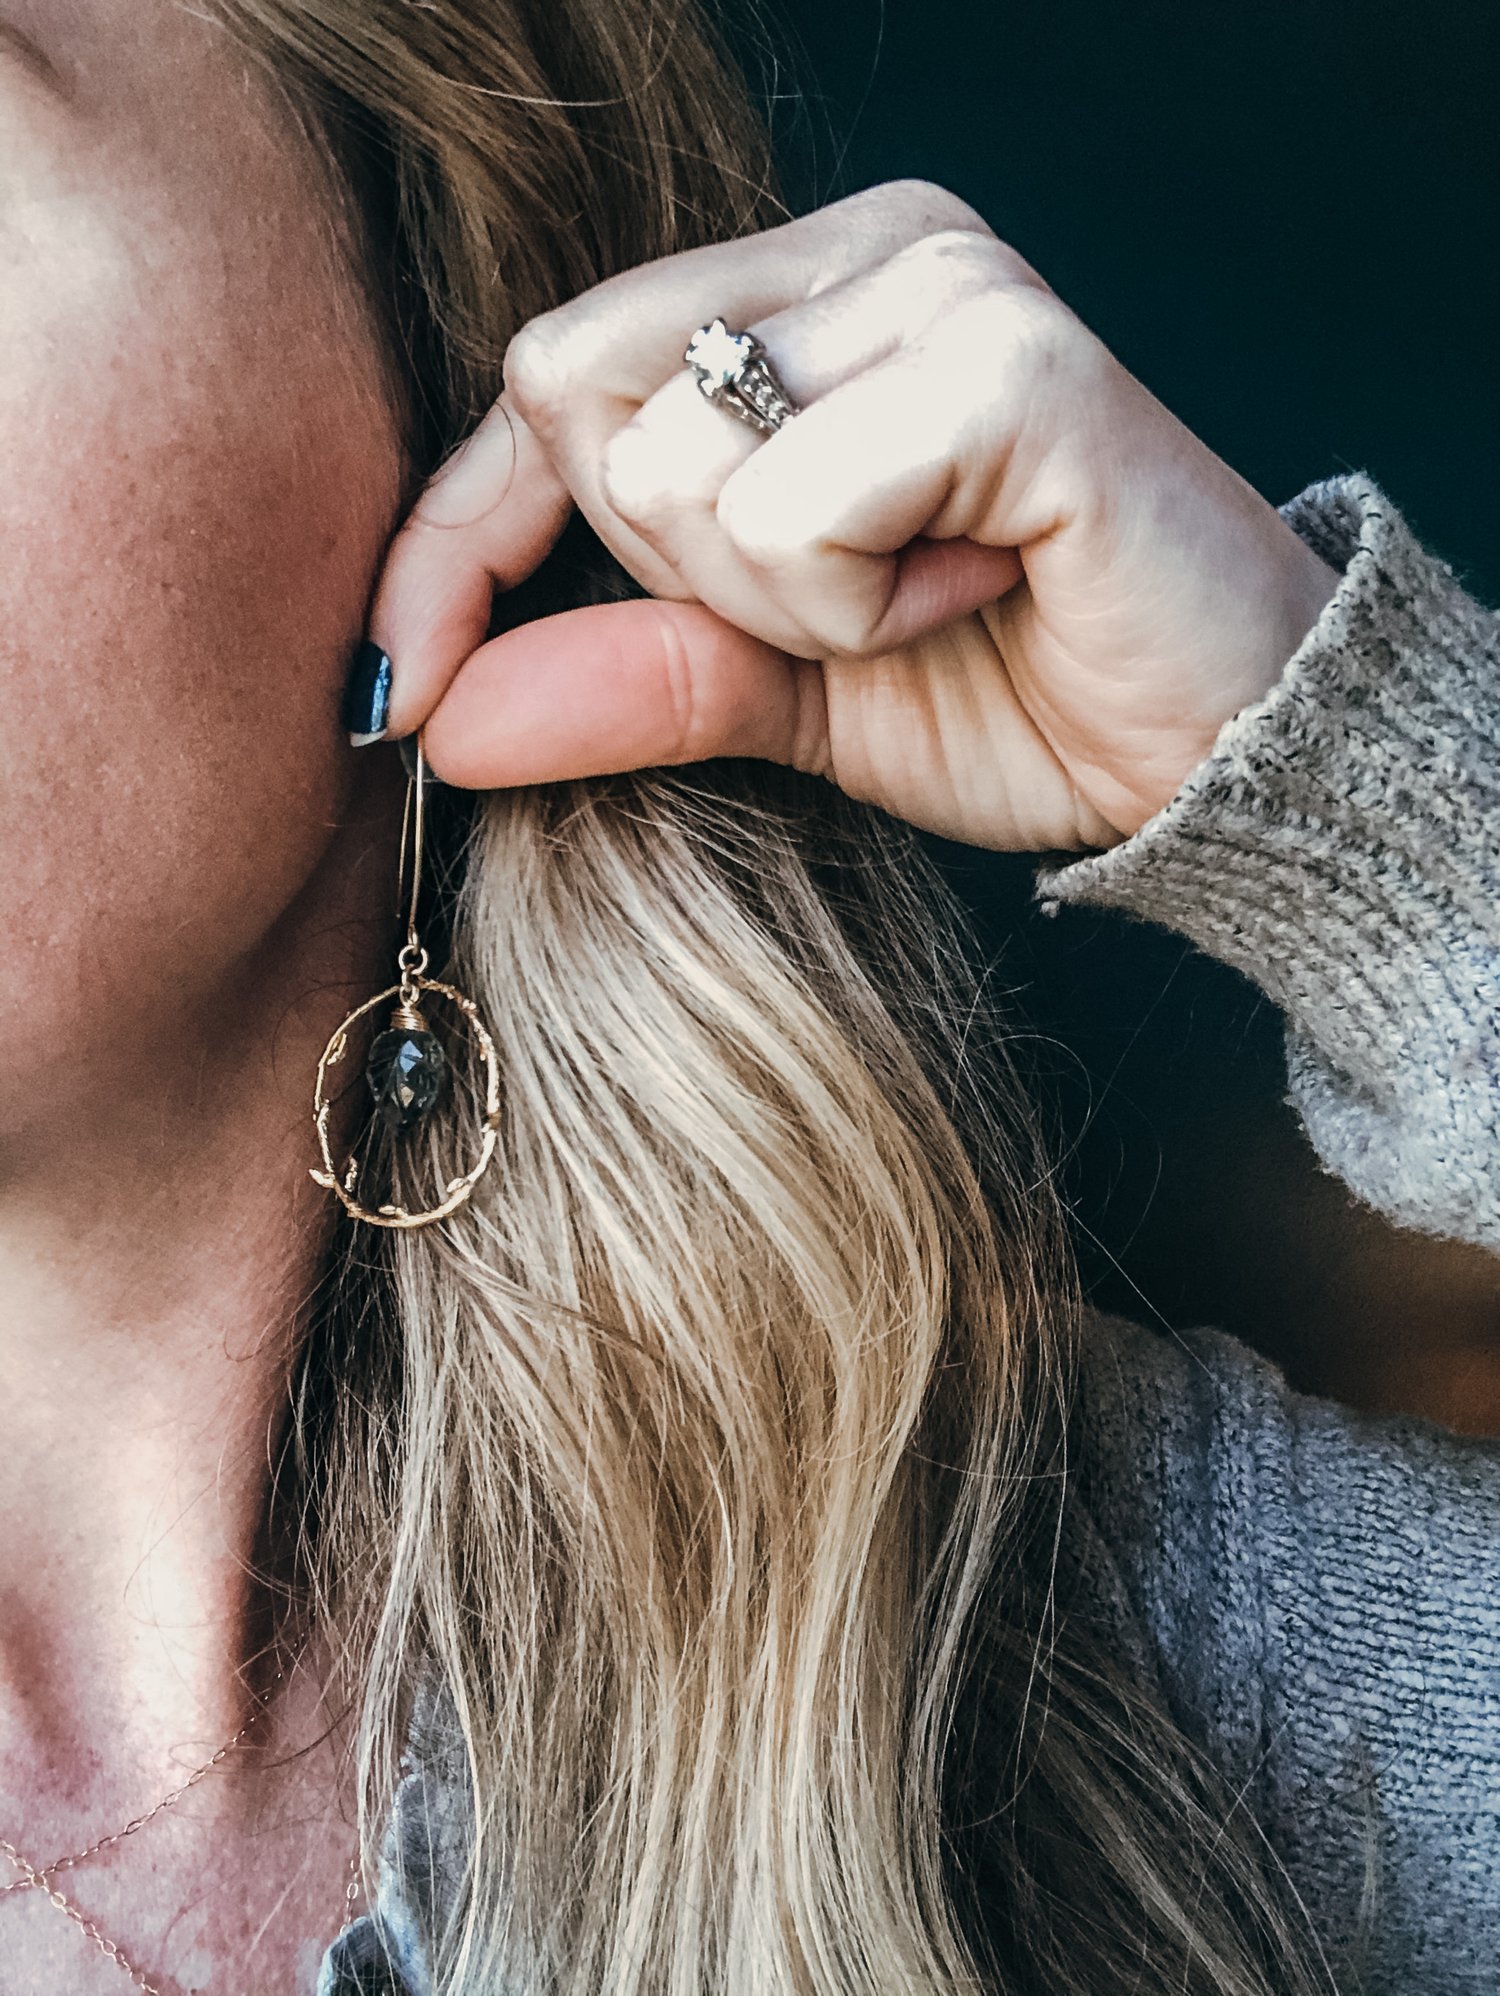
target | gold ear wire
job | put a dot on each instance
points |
(406, 1067)
(413, 839)
(412, 959)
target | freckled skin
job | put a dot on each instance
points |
(197, 471)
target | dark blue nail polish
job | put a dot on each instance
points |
(367, 696)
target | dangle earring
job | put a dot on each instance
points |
(406, 1067)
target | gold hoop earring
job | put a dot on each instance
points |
(406, 1067)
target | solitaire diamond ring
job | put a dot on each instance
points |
(734, 372)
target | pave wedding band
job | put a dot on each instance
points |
(734, 372)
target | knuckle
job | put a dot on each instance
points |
(880, 223)
(927, 206)
(957, 261)
(754, 517)
(838, 636)
(834, 610)
(849, 628)
(1020, 332)
(539, 367)
(632, 477)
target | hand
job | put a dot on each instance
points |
(984, 579)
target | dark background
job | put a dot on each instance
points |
(1281, 217)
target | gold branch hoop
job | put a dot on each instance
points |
(344, 1184)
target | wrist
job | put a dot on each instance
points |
(1310, 583)
(1292, 588)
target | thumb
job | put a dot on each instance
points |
(633, 685)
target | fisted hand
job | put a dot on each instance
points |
(983, 579)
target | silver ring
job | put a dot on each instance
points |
(734, 372)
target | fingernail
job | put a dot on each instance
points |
(367, 696)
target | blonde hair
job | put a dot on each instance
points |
(714, 1461)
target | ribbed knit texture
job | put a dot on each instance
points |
(1323, 1595)
(1322, 1589)
(1341, 846)
(1317, 1593)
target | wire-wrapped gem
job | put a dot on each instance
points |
(406, 1071)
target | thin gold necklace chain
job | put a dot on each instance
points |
(35, 1880)
(39, 1878)
(139, 1822)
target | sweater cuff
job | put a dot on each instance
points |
(1337, 846)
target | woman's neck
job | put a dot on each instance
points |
(159, 1247)
(146, 1355)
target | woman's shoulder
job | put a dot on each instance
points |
(1315, 1588)
(1160, 1412)
(1218, 1488)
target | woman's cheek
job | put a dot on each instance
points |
(196, 481)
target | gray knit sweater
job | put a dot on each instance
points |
(1315, 1591)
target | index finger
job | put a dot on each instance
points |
(578, 371)
(484, 521)
(609, 349)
